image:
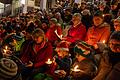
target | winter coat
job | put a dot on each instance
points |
(51, 35)
(109, 66)
(76, 33)
(39, 57)
(88, 70)
(98, 34)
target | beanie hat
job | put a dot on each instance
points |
(99, 14)
(117, 20)
(115, 35)
(63, 45)
(38, 32)
(8, 68)
(83, 49)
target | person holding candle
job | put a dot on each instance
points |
(98, 32)
(110, 59)
(35, 53)
(85, 65)
(62, 61)
(53, 36)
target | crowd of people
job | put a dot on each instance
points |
(65, 43)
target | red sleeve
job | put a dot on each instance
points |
(47, 54)
(59, 30)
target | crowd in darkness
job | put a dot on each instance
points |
(67, 42)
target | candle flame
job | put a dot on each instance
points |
(103, 41)
(103, 15)
(6, 47)
(76, 68)
(5, 51)
(48, 61)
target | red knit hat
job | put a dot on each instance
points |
(63, 45)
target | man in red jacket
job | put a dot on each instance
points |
(77, 31)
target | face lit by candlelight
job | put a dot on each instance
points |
(38, 39)
(117, 25)
(114, 45)
(97, 20)
(79, 57)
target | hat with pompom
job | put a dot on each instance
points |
(8, 68)
(63, 45)
(83, 49)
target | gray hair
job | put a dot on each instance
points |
(78, 15)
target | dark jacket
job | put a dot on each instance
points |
(109, 64)
(88, 70)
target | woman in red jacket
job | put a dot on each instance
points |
(35, 53)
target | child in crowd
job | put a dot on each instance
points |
(85, 65)
(62, 61)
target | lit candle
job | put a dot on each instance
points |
(103, 41)
(103, 15)
(58, 1)
(76, 69)
(48, 61)
(5, 50)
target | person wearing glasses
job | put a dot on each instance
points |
(109, 68)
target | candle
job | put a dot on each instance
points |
(48, 61)
(103, 15)
(59, 36)
(5, 50)
(58, 1)
(76, 69)
(103, 41)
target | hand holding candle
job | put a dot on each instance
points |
(48, 61)
(5, 51)
(76, 69)
(101, 45)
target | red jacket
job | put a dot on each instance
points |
(76, 33)
(38, 58)
(98, 34)
(51, 35)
